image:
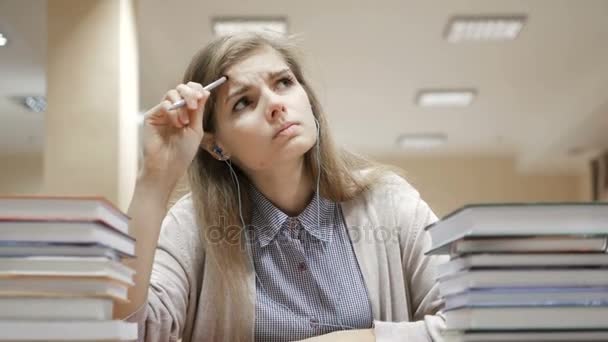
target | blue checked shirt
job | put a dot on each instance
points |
(308, 281)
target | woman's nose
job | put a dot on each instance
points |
(276, 106)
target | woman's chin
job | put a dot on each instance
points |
(298, 145)
(294, 149)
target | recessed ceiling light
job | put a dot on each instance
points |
(445, 98)
(486, 28)
(421, 140)
(223, 27)
(35, 103)
(3, 40)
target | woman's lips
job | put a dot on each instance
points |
(286, 129)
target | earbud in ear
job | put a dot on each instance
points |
(218, 151)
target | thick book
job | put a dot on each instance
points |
(519, 220)
(66, 232)
(504, 297)
(19, 249)
(65, 267)
(63, 208)
(522, 261)
(13, 330)
(63, 287)
(483, 279)
(525, 336)
(532, 244)
(527, 318)
(56, 309)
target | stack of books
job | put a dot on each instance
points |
(524, 272)
(61, 270)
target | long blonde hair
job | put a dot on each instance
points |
(214, 193)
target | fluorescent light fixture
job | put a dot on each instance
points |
(445, 98)
(484, 28)
(228, 26)
(420, 141)
(35, 103)
(3, 40)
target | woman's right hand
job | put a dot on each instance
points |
(172, 138)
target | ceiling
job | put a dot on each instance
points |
(22, 73)
(542, 98)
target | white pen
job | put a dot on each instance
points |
(208, 87)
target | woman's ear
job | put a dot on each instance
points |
(214, 148)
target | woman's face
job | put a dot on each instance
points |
(263, 114)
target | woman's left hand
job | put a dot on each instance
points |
(356, 335)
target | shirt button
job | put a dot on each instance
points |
(302, 267)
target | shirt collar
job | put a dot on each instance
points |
(319, 222)
(267, 219)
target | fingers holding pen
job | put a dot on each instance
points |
(190, 95)
(177, 117)
(183, 105)
(197, 116)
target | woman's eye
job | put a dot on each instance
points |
(241, 104)
(285, 82)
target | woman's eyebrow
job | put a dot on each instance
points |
(276, 74)
(241, 89)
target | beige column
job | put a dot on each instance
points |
(92, 99)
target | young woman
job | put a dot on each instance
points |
(282, 237)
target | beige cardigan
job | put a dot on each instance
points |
(386, 225)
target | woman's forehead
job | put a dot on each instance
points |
(262, 63)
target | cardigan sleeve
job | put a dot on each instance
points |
(419, 270)
(172, 293)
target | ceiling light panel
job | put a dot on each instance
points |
(446, 98)
(228, 26)
(484, 29)
(421, 141)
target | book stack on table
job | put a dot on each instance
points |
(524, 272)
(61, 269)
